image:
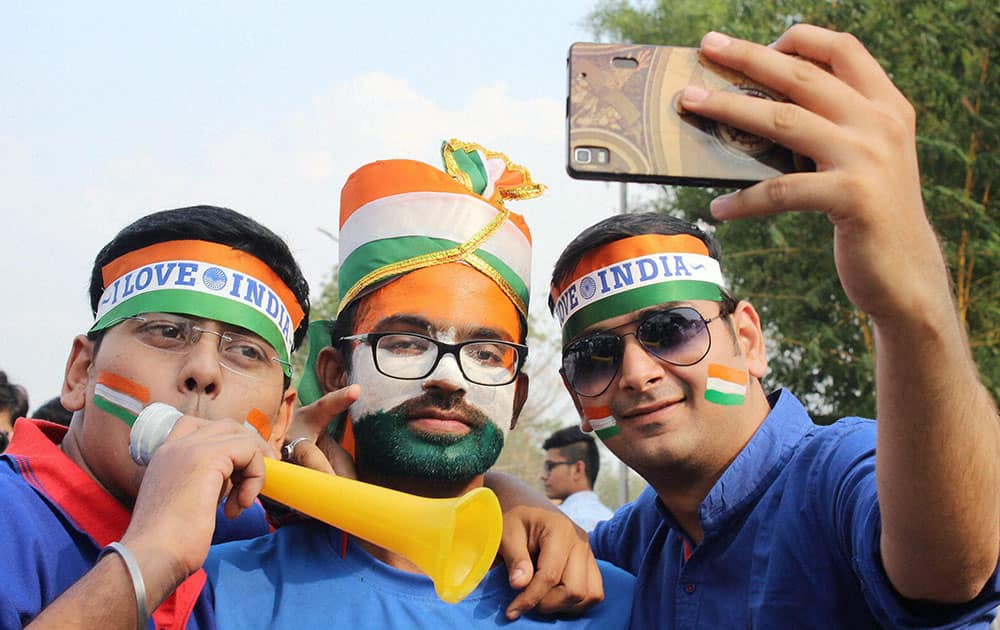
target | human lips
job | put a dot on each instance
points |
(650, 411)
(432, 420)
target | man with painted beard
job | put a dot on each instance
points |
(433, 305)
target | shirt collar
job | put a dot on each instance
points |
(583, 496)
(35, 451)
(760, 461)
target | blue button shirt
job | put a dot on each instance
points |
(791, 540)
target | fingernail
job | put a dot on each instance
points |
(693, 94)
(513, 614)
(715, 41)
(516, 575)
(721, 206)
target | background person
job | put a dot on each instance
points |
(53, 411)
(569, 474)
(13, 405)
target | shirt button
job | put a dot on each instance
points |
(689, 588)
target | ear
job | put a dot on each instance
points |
(283, 420)
(750, 337)
(331, 369)
(579, 469)
(520, 397)
(77, 374)
(584, 422)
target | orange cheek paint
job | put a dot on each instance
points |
(259, 420)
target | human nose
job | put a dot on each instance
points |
(202, 372)
(639, 369)
(446, 375)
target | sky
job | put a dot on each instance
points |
(114, 110)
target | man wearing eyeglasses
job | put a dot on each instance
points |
(755, 517)
(433, 284)
(569, 473)
(198, 308)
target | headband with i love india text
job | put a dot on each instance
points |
(634, 273)
(203, 279)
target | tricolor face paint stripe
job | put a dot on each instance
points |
(726, 385)
(120, 396)
(602, 421)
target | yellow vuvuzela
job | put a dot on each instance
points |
(453, 541)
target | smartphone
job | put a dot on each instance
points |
(624, 122)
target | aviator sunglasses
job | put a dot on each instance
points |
(679, 336)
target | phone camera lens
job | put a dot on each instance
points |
(582, 156)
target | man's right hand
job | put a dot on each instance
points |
(320, 451)
(173, 519)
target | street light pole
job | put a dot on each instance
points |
(623, 469)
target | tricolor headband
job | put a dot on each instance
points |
(634, 273)
(203, 279)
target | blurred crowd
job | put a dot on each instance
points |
(14, 403)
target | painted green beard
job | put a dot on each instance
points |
(386, 446)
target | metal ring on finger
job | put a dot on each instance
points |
(288, 450)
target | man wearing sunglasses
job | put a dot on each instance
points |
(198, 308)
(569, 473)
(431, 326)
(755, 517)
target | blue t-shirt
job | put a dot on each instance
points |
(791, 540)
(298, 578)
(55, 520)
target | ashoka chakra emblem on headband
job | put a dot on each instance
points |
(214, 278)
(588, 288)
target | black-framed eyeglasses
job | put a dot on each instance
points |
(412, 356)
(248, 355)
(549, 465)
(678, 336)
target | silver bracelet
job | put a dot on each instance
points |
(142, 616)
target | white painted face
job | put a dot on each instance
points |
(382, 393)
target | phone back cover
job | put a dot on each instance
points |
(633, 113)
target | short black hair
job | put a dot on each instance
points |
(576, 446)
(621, 226)
(215, 225)
(13, 398)
(53, 411)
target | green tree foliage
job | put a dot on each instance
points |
(942, 55)
(323, 306)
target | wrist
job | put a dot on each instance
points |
(162, 571)
(135, 575)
